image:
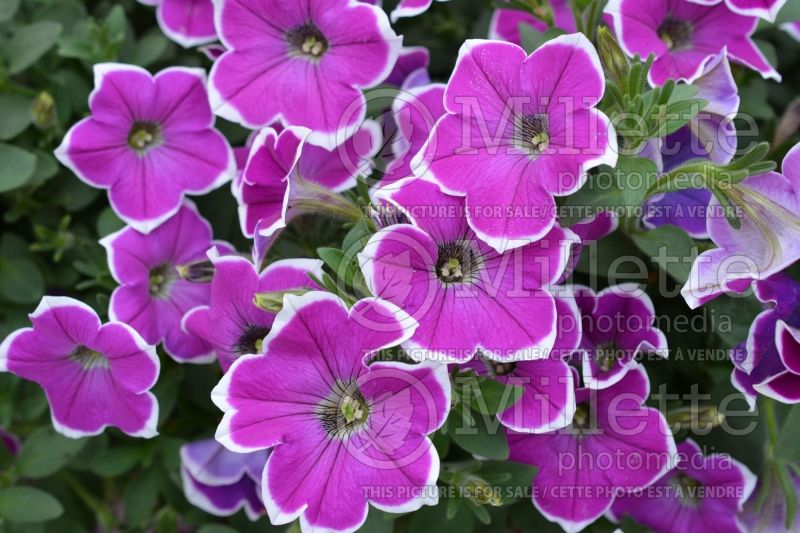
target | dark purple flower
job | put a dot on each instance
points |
(344, 434)
(303, 62)
(94, 375)
(141, 142)
(152, 297)
(685, 36)
(615, 445)
(220, 481)
(702, 494)
(231, 323)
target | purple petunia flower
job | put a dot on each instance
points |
(702, 494)
(94, 375)
(766, 9)
(685, 36)
(518, 130)
(415, 112)
(412, 63)
(282, 171)
(220, 481)
(152, 297)
(10, 441)
(141, 142)
(614, 446)
(187, 22)
(769, 362)
(231, 323)
(303, 62)
(547, 401)
(617, 325)
(767, 242)
(589, 230)
(465, 296)
(344, 433)
(505, 23)
(767, 514)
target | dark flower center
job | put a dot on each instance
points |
(456, 262)
(582, 419)
(88, 358)
(676, 34)
(606, 355)
(307, 40)
(344, 411)
(252, 340)
(144, 135)
(498, 369)
(160, 279)
(531, 133)
(689, 489)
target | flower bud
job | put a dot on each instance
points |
(197, 271)
(613, 58)
(273, 301)
(43, 110)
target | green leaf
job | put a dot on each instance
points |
(489, 397)
(531, 38)
(478, 433)
(332, 257)
(357, 237)
(16, 112)
(216, 528)
(20, 280)
(28, 504)
(140, 498)
(149, 48)
(29, 43)
(669, 247)
(118, 460)
(8, 8)
(789, 493)
(45, 452)
(787, 449)
(16, 167)
(108, 222)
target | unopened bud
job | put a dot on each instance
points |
(197, 271)
(613, 58)
(273, 301)
(480, 492)
(43, 110)
(704, 417)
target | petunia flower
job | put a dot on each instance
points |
(710, 134)
(702, 494)
(220, 481)
(152, 297)
(412, 62)
(343, 434)
(792, 28)
(141, 142)
(768, 513)
(683, 36)
(94, 375)
(766, 9)
(547, 401)
(284, 176)
(617, 325)
(767, 242)
(465, 296)
(187, 22)
(303, 62)
(613, 446)
(589, 230)
(415, 112)
(518, 130)
(10, 441)
(231, 323)
(505, 23)
(769, 362)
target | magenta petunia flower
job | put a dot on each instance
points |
(465, 296)
(412, 63)
(547, 401)
(685, 36)
(792, 28)
(283, 170)
(141, 142)
(411, 8)
(505, 23)
(518, 130)
(220, 481)
(767, 242)
(766, 9)
(94, 375)
(415, 112)
(617, 325)
(152, 297)
(614, 445)
(344, 434)
(303, 62)
(589, 230)
(187, 22)
(702, 494)
(769, 362)
(230, 322)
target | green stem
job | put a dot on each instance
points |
(104, 515)
(772, 423)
